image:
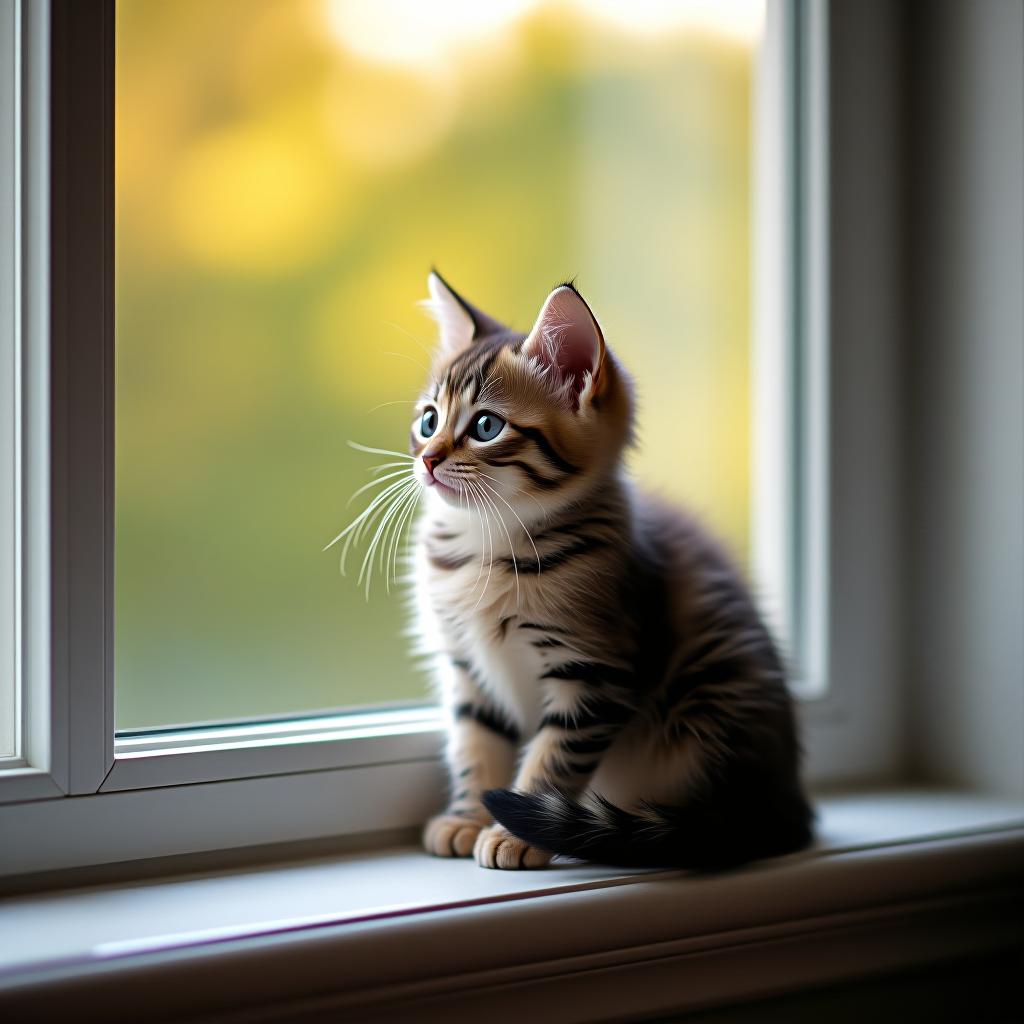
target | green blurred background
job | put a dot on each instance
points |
(287, 172)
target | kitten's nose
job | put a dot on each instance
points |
(430, 461)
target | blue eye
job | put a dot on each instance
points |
(486, 427)
(428, 423)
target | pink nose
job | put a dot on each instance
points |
(430, 461)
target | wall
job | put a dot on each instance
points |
(964, 381)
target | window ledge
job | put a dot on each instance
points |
(898, 878)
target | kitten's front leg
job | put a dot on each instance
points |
(587, 706)
(482, 748)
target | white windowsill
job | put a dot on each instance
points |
(340, 927)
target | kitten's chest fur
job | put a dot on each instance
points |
(505, 619)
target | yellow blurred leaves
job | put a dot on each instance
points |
(368, 345)
(387, 117)
(262, 196)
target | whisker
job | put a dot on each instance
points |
(490, 547)
(380, 511)
(376, 505)
(384, 548)
(411, 337)
(409, 532)
(518, 490)
(380, 451)
(404, 471)
(368, 557)
(415, 362)
(387, 524)
(536, 553)
(511, 546)
(362, 515)
(483, 550)
(379, 507)
(403, 525)
(400, 401)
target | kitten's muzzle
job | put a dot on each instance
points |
(432, 479)
(432, 462)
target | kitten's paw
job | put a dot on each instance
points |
(496, 847)
(450, 835)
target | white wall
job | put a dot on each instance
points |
(964, 380)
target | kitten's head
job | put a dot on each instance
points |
(531, 421)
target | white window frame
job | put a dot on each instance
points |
(185, 791)
(42, 770)
(827, 366)
(10, 469)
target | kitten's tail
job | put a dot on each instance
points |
(697, 836)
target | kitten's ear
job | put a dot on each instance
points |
(568, 339)
(460, 321)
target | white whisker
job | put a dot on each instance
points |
(386, 465)
(490, 546)
(380, 451)
(415, 362)
(404, 471)
(403, 527)
(381, 405)
(412, 337)
(366, 569)
(387, 548)
(380, 506)
(536, 553)
(361, 518)
(518, 490)
(508, 536)
(483, 551)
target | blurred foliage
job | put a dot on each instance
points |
(284, 182)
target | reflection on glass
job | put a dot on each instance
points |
(287, 172)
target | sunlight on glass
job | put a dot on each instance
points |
(738, 20)
(287, 173)
(412, 32)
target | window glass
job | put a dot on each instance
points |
(287, 173)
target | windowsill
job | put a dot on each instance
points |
(367, 929)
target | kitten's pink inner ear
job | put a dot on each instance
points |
(566, 337)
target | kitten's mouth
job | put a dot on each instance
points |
(443, 488)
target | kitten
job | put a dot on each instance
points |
(612, 693)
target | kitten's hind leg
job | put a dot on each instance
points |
(481, 756)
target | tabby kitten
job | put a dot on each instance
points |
(612, 692)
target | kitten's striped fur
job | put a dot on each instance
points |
(611, 690)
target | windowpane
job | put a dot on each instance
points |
(287, 173)
(9, 405)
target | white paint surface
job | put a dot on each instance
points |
(38, 932)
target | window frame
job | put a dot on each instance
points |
(311, 778)
(43, 765)
(842, 313)
(10, 409)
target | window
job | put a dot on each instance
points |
(205, 760)
(286, 174)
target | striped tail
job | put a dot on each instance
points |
(698, 836)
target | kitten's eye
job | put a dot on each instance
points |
(486, 427)
(428, 423)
